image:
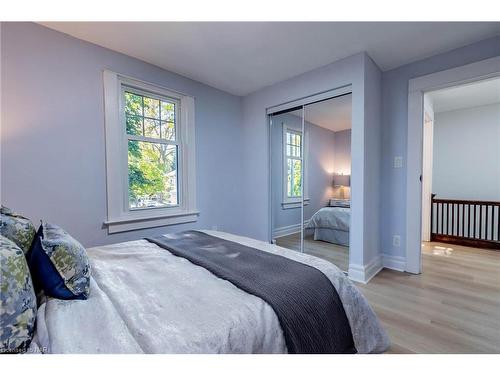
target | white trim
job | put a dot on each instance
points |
(119, 216)
(295, 203)
(427, 161)
(484, 69)
(395, 263)
(288, 230)
(363, 274)
(480, 70)
(310, 99)
(142, 223)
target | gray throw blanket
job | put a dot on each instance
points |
(308, 307)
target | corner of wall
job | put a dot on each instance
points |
(364, 273)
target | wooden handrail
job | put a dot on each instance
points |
(461, 201)
(466, 222)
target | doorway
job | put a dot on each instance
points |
(461, 173)
(420, 90)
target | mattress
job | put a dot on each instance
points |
(145, 300)
(338, 218)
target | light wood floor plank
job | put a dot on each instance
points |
(452, 307)
(337, 254)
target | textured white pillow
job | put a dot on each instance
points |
(340, 202)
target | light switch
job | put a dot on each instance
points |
(398, 162)
(396, 240)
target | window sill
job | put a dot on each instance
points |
(134, 222)
(294, 204)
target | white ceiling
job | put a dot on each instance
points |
(242, 57)
(333, 114)
(466, 96)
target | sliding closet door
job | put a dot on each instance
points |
(326, 188)
(286, 129)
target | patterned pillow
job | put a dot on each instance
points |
(17, 228)
(59, 264)
(18, 300)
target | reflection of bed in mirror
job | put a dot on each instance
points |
(331, 224)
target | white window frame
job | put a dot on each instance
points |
(294, 202)
(120, 217)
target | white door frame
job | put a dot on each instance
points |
(480, 70)
(428, 135)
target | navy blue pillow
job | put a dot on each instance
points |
(48, 260)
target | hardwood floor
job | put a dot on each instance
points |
(338, 255)
(452, 307)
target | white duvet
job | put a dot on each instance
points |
(338, 218)
(145, 300)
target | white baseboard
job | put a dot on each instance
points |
(394, 262)
(363, 274)
(288, 230)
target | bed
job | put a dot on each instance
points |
(144, 299)
(331, 224)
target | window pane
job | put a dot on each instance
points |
(151, 128)
(134, 125)
(168, 130)
(152, 174)
(133, 104)
(168, 111)
(151, 108)
(289, 177)
(297, 178)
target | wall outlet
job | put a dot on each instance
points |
(398, 162)
(396, 240)
(214, 227)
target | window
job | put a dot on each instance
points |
(149, 155)
(152, 149)
(293, 158)
(293, 149)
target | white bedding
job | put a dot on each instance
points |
(145, 300)
(338, 218)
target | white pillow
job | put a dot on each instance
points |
(340, 202)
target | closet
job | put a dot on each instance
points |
(310, 162)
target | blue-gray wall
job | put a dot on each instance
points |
(466, 156)
(394, 132)
(53, 138)
(52, 141)
(364, 77)
(342, 160)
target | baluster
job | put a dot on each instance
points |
(442, 217)
(480, 221)
(474, 224)
(492, 223)
(463, 220)
(448, 215)
(468, 228)
(453, 219)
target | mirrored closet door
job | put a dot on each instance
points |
(287, 160)
(310, 179)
